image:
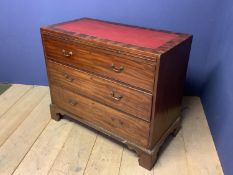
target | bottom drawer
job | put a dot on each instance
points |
(120, 124)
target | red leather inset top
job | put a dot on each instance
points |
(120, 33)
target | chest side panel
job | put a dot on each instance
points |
(168, 91)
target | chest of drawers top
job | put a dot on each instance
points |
(105, 48)
(144, 43)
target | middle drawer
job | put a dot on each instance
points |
(128, 100)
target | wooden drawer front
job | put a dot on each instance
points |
(137, 74)
(127, 100)
(129, 128)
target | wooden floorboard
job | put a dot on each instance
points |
(201, 154)
(31, 143)
(10, 120)
(41, 156)
(105, 158)
(18, 144)
(129, 164)
(11, 96)
(173, 157)
(75, 153)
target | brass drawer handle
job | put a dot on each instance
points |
(72, 102)
(67, 53)
(116, 97)
(117, 70)
(69, 78)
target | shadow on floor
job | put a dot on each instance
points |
(4, 87)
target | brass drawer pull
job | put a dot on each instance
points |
(69, 78)
(117, 70)
(116, 97)
(72, 102)
(67, 53)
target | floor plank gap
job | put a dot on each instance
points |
(58, 153)
(20, 112)
(5, 105)
(13, 151)
(121, 161)
(90, 155)
(32, 143)
(29, 149)
(44, 151)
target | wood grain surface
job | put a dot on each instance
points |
(40, 146)
(134, 73)
(132, 92)
(118, 123)
(109, 93)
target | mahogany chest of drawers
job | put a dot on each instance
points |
(122, 80)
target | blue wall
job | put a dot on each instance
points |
(217, 95)
(210, 67)
(21, 57)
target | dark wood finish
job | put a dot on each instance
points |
(100, 115)
(131, 101)
(54, 114)
(128, 71)
(147, 157)
(147, 85)
(169, 90)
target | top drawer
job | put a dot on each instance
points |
(134, 73)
